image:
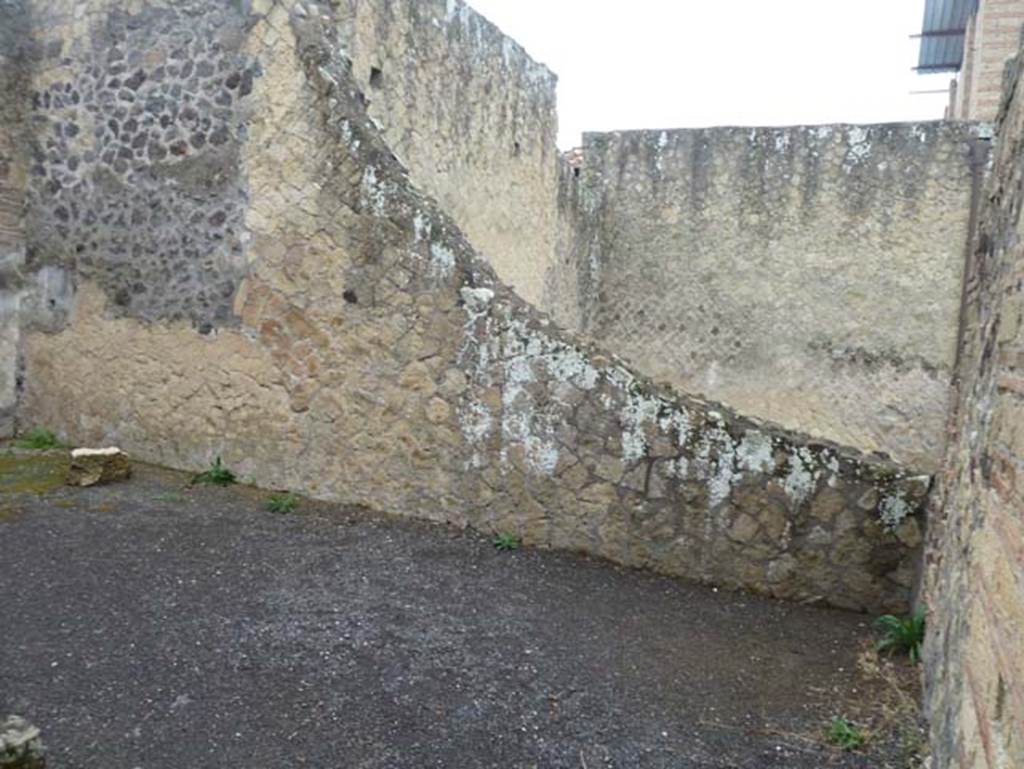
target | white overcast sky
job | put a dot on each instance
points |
(685, 63)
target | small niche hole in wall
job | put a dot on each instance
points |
(517, 149)
(376, 77)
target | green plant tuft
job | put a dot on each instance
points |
(217, 475)
(38, 438)
(282, 503)
(506, 541)
(902, 634)
(845, 734)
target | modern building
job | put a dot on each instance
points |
(974, 39)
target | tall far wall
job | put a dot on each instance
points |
(472, 117)
(975, 586)
(806, 275)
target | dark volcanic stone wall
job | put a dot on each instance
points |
(134, 175)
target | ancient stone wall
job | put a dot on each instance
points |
(808, 275)
(236, 265)
(472, 117)
(975, 575)
(16, 55)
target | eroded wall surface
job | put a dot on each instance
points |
(15, 56)
(808, 275)
(975, 575)
(295, 306)
(472, 117)
(565, 281)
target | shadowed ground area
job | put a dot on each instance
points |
(151, 624)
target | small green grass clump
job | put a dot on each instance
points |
(39, 439)
(844, 734)
(506, 541)
(902, 634)
(282, 504)
(217, 475)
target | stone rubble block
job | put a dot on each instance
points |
(20, 745)
(91, 467)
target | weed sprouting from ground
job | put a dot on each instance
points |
(39, 439)
(896, 713)
(902, 634)
(282, 503)
(217, 475)
(845, 734)
(506, 541)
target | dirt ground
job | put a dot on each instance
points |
(154, 624)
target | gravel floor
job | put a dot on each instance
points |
(153, 625)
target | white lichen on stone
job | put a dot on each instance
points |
(678, 468)
(569, 365)
(755, 452)
(521, 421)
(640, 410)
(802, 478)
(893, 510)
(442, 260)
(476, 423)
(374, 196)
(477, 301)
(676, 419)
(715, 463)
(859, 147)
(421, 227)
(832, 465)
